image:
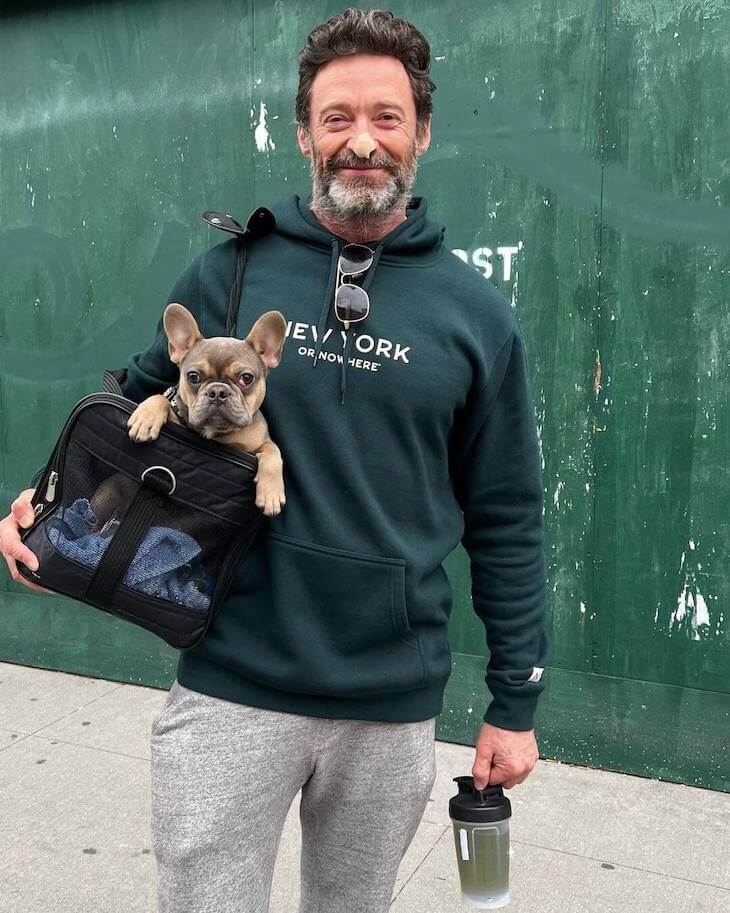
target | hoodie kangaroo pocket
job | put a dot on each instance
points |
(337, 622)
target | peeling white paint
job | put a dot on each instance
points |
(556, 493)
(513, 299)
(261, 134)
(696, 602)
(539, 425)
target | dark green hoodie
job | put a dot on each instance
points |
(419, 435)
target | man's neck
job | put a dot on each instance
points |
(368, 227)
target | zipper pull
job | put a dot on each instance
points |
(51, 487)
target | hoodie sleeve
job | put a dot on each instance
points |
(151, 371)
(498, 484)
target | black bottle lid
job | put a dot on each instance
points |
(480, 806)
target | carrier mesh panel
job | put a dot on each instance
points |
(178, 558)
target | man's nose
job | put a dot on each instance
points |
(362, 145)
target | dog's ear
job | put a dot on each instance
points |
(267, 337)
(182, 331)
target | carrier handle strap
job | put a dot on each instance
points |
(146, 504)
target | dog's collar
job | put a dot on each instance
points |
(177, 405)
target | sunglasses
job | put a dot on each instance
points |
(351, 301)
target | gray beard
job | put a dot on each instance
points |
(361, 203)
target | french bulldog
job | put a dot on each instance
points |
(221, 387)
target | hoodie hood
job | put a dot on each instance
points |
(418, 238)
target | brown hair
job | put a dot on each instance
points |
(357, 31)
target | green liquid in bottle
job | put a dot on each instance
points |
(482, 854)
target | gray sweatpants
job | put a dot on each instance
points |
(224, 776)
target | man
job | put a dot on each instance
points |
(402, 434)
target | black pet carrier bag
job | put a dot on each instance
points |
(150, 532)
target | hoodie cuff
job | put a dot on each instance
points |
(513, 709)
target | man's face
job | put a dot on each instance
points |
(363, 93)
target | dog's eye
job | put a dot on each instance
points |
(247, 378)
(193, 377)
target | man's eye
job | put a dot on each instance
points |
(337, 117)
(193, 377)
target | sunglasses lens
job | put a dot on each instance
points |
(355, 258)
(351, 302)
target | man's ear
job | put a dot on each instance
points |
(182, 331)
(303, 141)
(425, 140)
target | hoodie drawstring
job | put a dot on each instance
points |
(328, 301)
(348, 335)
(327, 298)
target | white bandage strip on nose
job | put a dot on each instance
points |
(364, 145)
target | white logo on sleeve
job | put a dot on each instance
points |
(536, 674)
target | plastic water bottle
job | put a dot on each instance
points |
(480, 818)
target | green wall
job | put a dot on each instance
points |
(579, 158)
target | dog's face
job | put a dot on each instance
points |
(222, 379)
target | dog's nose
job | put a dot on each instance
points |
(218, 392)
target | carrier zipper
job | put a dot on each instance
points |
(51, 486)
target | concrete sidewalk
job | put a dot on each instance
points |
(74, 820)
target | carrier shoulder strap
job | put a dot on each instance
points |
(260, 222)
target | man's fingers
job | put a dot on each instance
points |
(480, 773)
(31, 562)
(12, 547)
(22, 511)
(14, 550)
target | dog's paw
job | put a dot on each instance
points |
(270, 496)
(146, 421)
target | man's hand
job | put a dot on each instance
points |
(503, 756)
(11, 546)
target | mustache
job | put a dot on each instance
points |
(358, 163)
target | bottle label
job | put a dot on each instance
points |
(464, 840)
